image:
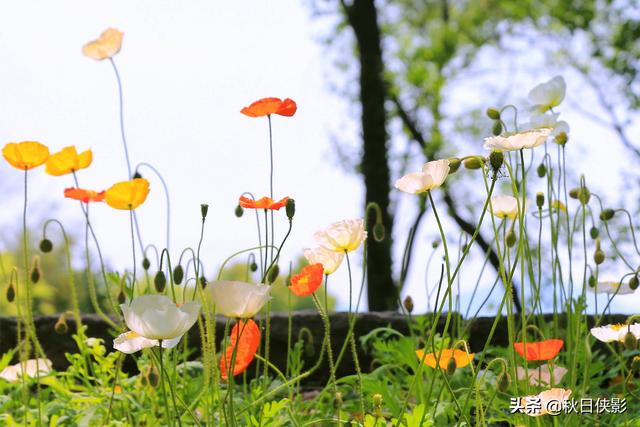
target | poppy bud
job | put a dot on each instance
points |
(454, 164)
(539, 199)
(153, 379)
(561, 138)
(496, 158)
(146, 263)
(253, 266)
(160, 281)
(592, 281)
(630, 341)
(178, 274)
(493, 114)
(239, 211)
(574, 192)
(290, 208)
(61, 326)
(203, 281)
(503, 382)
(511, 238)
(378, 232)
(272, 274)
(35, 273)
(472, 163)
(377, 401)
(542, 170)
(204, 209)
(435, 243)
(408, 304)
(337, 400)
(584, 195)
(451, 366)
(121, 297)
(46, 245)
(635, 363)
(594, 232)
(633, 282)
(607, 214)
(137, 175)
(599, 256)
(497, 128)
(11, 293)
(309, 349)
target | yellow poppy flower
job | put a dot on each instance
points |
(462, 358)
(68, 160)
(127, 195)
(25, 155)
(105, 46)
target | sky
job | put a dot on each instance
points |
(187, 69)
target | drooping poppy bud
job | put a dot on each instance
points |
(290, 208)
(46, 245)
(599, 256)
(574, 192)
(496, 159)
(503, 382)
(451, 366)
(239, 211)
(146, 264)
(204, 209)
(584, 195)
(35, 272)
(136, 175)
(253, 266)
(203, 282)
(630, 341)
(511, 238)
(607, 214)
(592, 281)
(541, 170)
(562, 138)
(121, 297)
(408, 304)
(378, 232)
(633, 282)
(61, 326)
(594, 233)
(493, 113)
(454, 164)
(273, 273)
(11, 293)
(178, 274)
(160, 281)
(473, 163)
(497, 128)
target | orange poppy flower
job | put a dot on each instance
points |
(461, 357)
(84, 195)
(308, 281)
(25, 155)
(67, 161)
(263, 203)
(245, 348)
(105, 46)
(542, 350)
(127, 195)
(269, 106)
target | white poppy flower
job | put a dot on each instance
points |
(131, 342)
(547, 120)
(541, 376)
(157, 317)
(552, 401)
(615, 332)
(610, 287)
(238, 299)
(504, 206)
(32, 368)
(548, 94)
(517, 141)
(432, 176)
(342, 236)
(330, 260)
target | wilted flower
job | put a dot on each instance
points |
(541, 376)
(615, 332)
(263, 203)
(552, 401)
(83, 195)
(127, 195)
(308, 281)
(461, 358)
(131, 342)
(157, 317)
(268, 106)
(330, 260)
(432, 176)
(541, 350)
(342, 236)
(67, 161)
(245, 340)
(517, 141)
(105, 46)
(238, 299)
(610, 287)
(25, 155)
(504, 206)
(31, 368)
(548, 94)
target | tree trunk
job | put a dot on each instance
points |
(362, 17)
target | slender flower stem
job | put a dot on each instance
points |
(133, 252)
(327, 342)
(121, 106)
(164, 392)
(354, 350)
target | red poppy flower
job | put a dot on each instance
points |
(543, 350)
(263, 203)
(308, 281)
(269, 106)
(84, 195)
(245, 348)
